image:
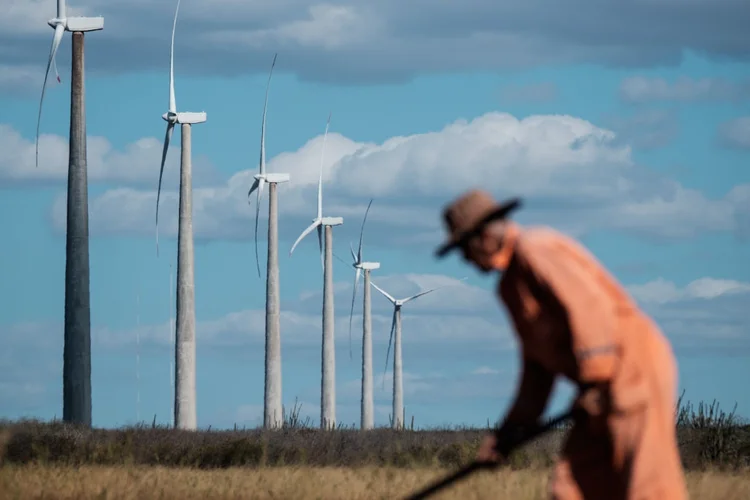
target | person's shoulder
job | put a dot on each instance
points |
(540, 237)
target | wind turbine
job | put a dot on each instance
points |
(367, 416)
(328, 352)
(77, 345)
(185, 399)
(138, 359)
(272, 410)
(398, 384)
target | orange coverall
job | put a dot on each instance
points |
(572, 318)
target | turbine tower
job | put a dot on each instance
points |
(77, 345)
(272, 410)
(398, 383)
(367, 416)
(138, 359)
(328, 352)
(185, 414)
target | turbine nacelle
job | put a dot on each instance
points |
(330, 221)
(78, 24)
(188, 117)
(367, 266)
(272, 178)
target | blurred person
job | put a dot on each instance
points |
(572, 318)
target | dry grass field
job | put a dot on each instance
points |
(54, 460)
(127, 482)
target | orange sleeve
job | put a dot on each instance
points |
(532, 394)
(589, 309)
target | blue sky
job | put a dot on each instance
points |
(636, 141)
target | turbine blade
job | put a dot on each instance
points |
(354, 255)
(351, 313)
(390, 341)
(61, 14)
(172, 100)
(54, 67)
(320, 179)
(340, 259)
(362, 232)
(257, 216)
(56, 39)
(167, 138)
(387, 296)
(304, 233)
(428, 291)
(420, 294)
(255, 185)
(320, 245)
(262, 166)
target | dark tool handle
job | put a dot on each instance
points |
(475, 465)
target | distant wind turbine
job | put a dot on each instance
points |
(272, 410)
(138, 358)
(328, 355)
(367, 416)
(398, 384)
(185, 398)
(77, 344)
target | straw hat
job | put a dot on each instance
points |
(469, 214)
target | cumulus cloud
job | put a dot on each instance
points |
(735, 133)
(707, 313)
(135, 165)
(573, 175)
(640, 89)
(661, 291)
(353, 42)
(435, 317)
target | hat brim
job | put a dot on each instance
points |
(500, 212)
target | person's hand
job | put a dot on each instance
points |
(488, 450)
(595, 402)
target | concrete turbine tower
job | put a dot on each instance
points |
(367, 416)
(328, 354)
(272, 411)
(185, 414)
(398, 371)
(77, 345)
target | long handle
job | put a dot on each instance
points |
(476, 466)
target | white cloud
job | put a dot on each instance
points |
(572, 173)
(386, 41)
(485, 370)
(327, 27)
(736, 133)
(437, 317)
(26, 78)
(639, 89)
(706, 314)
(137, 164)
(704, 309)
(661, 291)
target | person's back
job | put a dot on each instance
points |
(573, 318)
(562, 300)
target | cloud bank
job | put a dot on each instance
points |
(573, 175)
(388, 41)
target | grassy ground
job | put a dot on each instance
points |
(123, 482)
(57, 460)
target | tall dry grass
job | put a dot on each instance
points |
(300, 483)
